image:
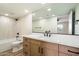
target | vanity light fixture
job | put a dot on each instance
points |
(26, 11)
(6, 14)
(49, 9)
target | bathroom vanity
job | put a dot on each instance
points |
(35, 46)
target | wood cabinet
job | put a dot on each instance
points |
(31, 47)
(68, 51)
(34, 47)
(26, 46)
(50, 49)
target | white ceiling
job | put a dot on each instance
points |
(57, 9)
(16, 10)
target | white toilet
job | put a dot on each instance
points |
(16, 46)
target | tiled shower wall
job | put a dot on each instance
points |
(7, 27)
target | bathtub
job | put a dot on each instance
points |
(6, 44)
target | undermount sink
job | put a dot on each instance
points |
(41, 36)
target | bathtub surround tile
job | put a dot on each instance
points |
(7, 27)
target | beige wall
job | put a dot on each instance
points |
(24, 25)
(7, 27)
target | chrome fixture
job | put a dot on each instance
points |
(47, 33)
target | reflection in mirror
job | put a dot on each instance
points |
(77, 27)
(64, 24)
(45, 25)
(55, 17)
(77, 20)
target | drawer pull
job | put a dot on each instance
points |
(26, 45)
(39, 49)
(73, 52)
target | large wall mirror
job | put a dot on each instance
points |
(56, 17)
(76, 22)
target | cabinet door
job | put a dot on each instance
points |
(50, 49)
(26, 46)
(62, 54)
(67, 50)
(35, 47)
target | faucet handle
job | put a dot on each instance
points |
(49, 35)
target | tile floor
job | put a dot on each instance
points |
(10, 53)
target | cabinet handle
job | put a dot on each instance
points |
(26, 45)
(73, 52)
(41, 50)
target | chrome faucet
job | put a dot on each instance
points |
(47, 33)
(17, 37)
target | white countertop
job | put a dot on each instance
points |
(68, 40)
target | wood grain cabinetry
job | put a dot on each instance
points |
(31, 47)
(26, 46)
(34, 47)
(50, 49)
(68, 51)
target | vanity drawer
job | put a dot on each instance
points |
(50, 45)
(26, 39)
(71, 51)
(26, 44)
(49, 49)
(26, 50)
(33, 41)
(63, 54)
